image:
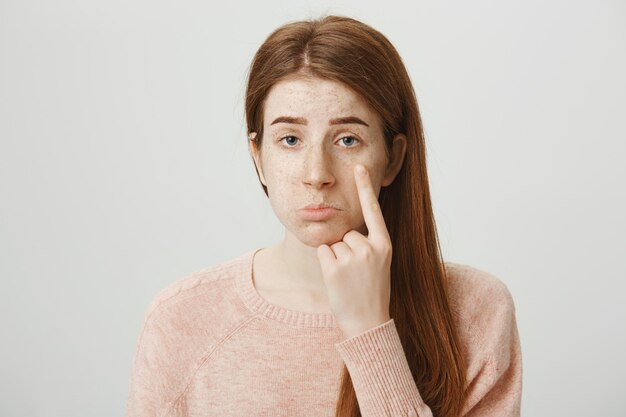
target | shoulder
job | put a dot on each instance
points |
(198, 287)
(474, 292)
(484, 312)
(182, 323)
(198, 307)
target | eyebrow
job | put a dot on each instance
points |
(303, 121)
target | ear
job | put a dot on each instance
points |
(396, 158)
(253, 147)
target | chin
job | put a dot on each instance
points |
(317, 234)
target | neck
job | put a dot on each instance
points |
(299, 266)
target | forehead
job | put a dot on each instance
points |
(315, 99)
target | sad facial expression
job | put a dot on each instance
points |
(315, 131)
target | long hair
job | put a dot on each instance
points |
(353, 53)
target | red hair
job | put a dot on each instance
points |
(355, 54)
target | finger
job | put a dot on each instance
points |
(341, 250)
(372, 214)
(355, 240)
(325, 255)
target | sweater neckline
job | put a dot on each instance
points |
(259, 305)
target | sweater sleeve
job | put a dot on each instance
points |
(495, 372)
(380, 373)
(385, 387)
(164, 358)
(152, 371)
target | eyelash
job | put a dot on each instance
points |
(343, 137)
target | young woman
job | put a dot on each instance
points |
(353, 312)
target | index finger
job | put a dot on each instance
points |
(372, 212)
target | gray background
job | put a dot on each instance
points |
(124, 166)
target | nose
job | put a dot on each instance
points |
(317, 168)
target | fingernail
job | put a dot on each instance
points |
(360, 170)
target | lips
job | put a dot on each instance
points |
(317, 212)
(317, 206)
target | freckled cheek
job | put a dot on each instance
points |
(281, 174)
(285, 172)
(374, 167)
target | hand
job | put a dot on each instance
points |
(357, 269)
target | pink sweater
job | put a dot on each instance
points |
(211, 346)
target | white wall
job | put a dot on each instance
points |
(124, 166)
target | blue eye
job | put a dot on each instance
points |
(288, 137)
(352, 141)
(291, 141)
